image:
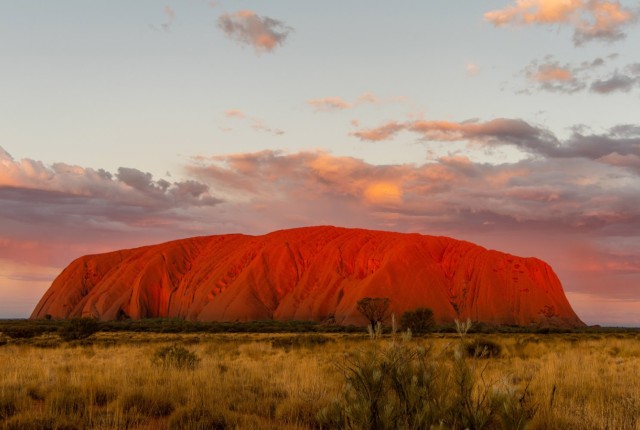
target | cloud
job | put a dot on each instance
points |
(256, 124)
(334, 103)
(472, 69)
(497, 131)
(571, 202)
(619, 81)
(383, 132)
(171, 17)
(234, 113)
(246, 27)
(337, 103)
(590, 19)
(620, 141)
(329, 103)
(367, 97)
(128, 187)
(550, 75)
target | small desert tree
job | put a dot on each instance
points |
(374, 309)
(419, 320)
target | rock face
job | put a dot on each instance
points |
(309, 274)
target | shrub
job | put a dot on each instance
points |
(79, 328)
(175, 356)
(392, 387)
(22, 332)
(46, 343)
(483, 348)
(308, 341)
(397, 386)
(419, 320)
(139, 403)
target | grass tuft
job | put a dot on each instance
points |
(175, 357)
(146, 405)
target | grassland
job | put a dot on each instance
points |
(118, 380)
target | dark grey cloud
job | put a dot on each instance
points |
(549, 74)
(618, 81)
(128, 195)
(622, 140)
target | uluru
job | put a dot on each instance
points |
(311, 273)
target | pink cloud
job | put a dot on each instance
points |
(548, 73)
(234, 113)
(367, 97)
(472, 69)
(383, 132)
(338, 103)
(590, 19)
(329, 103)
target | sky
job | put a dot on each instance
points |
(513, 124)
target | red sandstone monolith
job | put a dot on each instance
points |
(309, 274)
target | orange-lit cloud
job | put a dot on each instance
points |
(329, 103)
(248, 28)
(551, 74)
(590, 19)
(338, 103)
(383, 193)
(383, 132)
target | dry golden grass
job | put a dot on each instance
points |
(259, 381)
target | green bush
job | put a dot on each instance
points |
(79, 328)
(176, 357)
(419, 320)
